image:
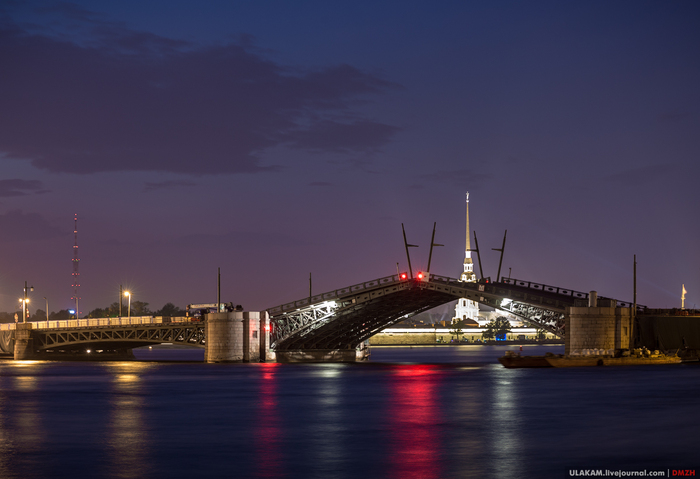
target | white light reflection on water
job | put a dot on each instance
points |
(128, 435)
(6, 445)
(328, 429)
(21, 428)
(506, 445)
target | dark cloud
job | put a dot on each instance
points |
(113, 99)
(18, 226)
(169, 185)
(320, 183)
(642, 175)
(18, 187)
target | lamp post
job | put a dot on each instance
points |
(47, 311)
(25, 301)
(128, 295)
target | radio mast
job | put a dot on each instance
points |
(76, 273)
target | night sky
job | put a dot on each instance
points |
(274, 139)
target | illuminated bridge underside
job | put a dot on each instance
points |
(344, 318)
(119, 337)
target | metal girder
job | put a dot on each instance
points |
(304, 318)
(352, 324)
(124, 336)
(358, 312)
(552, 321)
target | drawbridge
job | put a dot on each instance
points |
(344, 318)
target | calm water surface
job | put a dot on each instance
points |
(425, 412)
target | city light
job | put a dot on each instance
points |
(128, 295)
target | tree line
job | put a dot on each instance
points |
(138, 308)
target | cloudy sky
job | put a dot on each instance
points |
(273, 139)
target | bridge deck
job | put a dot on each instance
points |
(343, 318)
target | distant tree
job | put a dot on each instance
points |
(490, 331)
(169, 310)
(7, 317)
(97, 313)
(59, 316)
(39, 315)
(139, 308)
(457, 329)
(497, 328)
(112, 311)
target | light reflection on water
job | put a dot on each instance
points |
(268, 433)
(462, 415)
(415, 416)
(127, 432)
(330, 429)
(506, 424)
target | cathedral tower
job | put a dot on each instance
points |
(465, 308)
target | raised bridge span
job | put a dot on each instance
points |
(338, 320)
(344, 318)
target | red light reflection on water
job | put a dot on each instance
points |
(268, 446)
(414, 420)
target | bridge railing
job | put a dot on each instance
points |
(565, 292)
(96, 322)
(338, 293)
(537, 287)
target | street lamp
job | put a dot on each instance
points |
(47, 311)
(128, 295)
(25, 301)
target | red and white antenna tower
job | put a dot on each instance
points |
(76, 273)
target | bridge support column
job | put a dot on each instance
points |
(598, 330)
(232, 337)
(24, 343)
(266, 354)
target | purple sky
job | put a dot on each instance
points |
(274, 139)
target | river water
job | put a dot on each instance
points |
(423, 412)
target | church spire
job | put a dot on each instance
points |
(468, 274)
(466, 308)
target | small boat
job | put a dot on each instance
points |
(513, 360)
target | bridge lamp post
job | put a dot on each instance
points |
(47, 311)
(25, 301)
(128, 295)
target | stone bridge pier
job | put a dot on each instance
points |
(601, 328)
(238, 336)
(24, 343)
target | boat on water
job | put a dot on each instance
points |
(513, 360)
(641, 359)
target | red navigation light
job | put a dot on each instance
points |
(420, 275)
(267, 327)
(403, 276)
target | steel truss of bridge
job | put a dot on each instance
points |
(343, 318)
(119, 337)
